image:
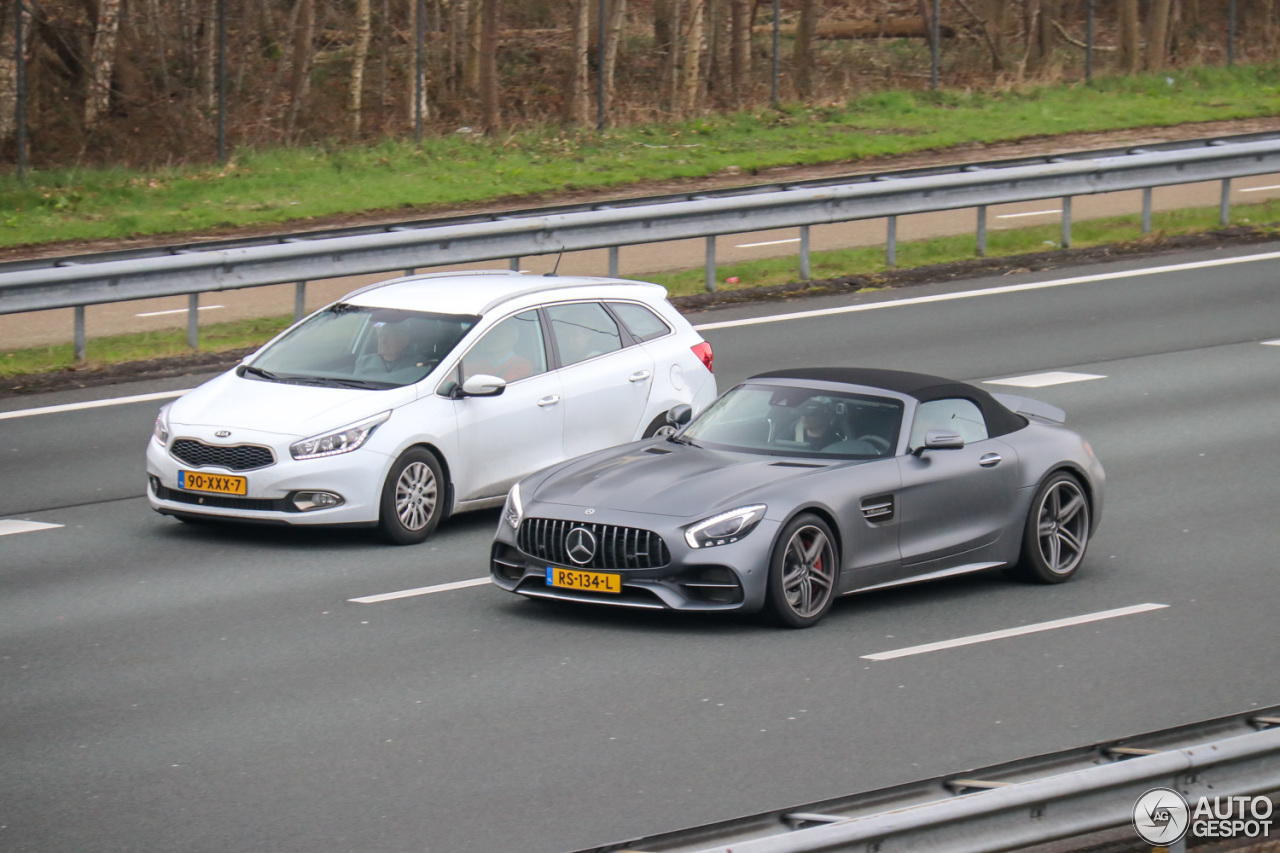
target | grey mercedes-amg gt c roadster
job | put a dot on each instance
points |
(801, 485)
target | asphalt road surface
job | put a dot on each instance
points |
(169, 687)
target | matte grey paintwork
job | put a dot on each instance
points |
(951, 514)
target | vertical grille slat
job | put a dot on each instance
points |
(616, 547)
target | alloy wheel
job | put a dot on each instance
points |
(1062, 526)
(808, 572)
(416, 496)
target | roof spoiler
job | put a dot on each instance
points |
(1034, 409)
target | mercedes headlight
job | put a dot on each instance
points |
(343, 440)
(161, 429)
(514, 509)
(725, 528)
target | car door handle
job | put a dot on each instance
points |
(549, 401)
(990, 460)
(639, 376)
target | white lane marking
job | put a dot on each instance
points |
(426, 590)
(1043, 380)
(9, 525)
(1259, 189)
(92, 404)
(1271, 343)
(177, 311)
(1014, 632)
(1032, 213)
(767, 243)
(990, 291)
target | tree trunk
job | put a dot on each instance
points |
(303, 55)
(489, 64)
(1158, 34)
(739, 49)
(612, 41)
(803, 56)
(1129, 35)
(1041, 36)
(102, 62)
(359, 55)
(474, 55)
(695, 48)
(579, 76)
(9, 66)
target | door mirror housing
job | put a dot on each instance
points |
(482, 385)
(680, 415)
(941, 439)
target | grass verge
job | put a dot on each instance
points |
(863, 262)
(279, 186)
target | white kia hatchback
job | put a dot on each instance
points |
(417, 398)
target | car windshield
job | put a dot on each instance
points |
(790, 421)
(353, 346)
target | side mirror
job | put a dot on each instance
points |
(941, 439)
(483, 385)
(680, 415)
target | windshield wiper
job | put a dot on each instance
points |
(677, 438)
(259, 372)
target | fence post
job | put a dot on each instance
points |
(804, 252)
(711, 264)
(982, 230)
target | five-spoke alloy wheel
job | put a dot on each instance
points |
(1057, 531)
(803, 572)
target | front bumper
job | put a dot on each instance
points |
(724, 578)
(357, 477)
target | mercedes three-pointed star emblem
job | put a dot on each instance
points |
(580, 543)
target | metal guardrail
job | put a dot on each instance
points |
(89, 281)
(1056, 797)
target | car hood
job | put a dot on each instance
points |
(276, 407)
(665, 478)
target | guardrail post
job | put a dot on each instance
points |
(1066, 222)
(891, 243)
(711, 264)
(79, 347)
(1146, 210)
(515, 265)
(804, 252)
(982, 230)
(299, 300)
(193, 320)
(1224, 207)
(613, 262)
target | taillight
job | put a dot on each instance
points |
(705, 355)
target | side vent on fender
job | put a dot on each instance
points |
(878, 509)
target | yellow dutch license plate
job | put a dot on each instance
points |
(218, 484)
(589, 581)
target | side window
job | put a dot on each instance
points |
(955, 414)
(643, 324)
(511, 350)
(583, 330)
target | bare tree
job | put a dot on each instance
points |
(1158, 29)
(102, 61)
(359, 55)
(803, 56)
(739, 48)
(489, 110)
(303, 55)
(612, 42)
(1129, 35)
(695, 48)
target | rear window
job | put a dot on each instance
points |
(643, 324)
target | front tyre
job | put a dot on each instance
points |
(1057, 531)
(412, 497)
(803, 572)
(660, 428)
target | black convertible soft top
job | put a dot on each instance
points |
(921, 386)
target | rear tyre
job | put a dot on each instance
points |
(660, 428)
(803, 573)
(1057, 531)
(412, 497)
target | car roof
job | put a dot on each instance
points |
(922, 386)
(480, 291)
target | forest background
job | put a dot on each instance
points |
(139, 82)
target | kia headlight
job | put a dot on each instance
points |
(161, 429)
(343, 440)
(514, 509)
(725, 528)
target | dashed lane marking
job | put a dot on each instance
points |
(1014, 632)
(425, 590)
(9, 525)
(1043, 380)
(92, 404)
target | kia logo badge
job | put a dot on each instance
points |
(223, 433)
(581, 545)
